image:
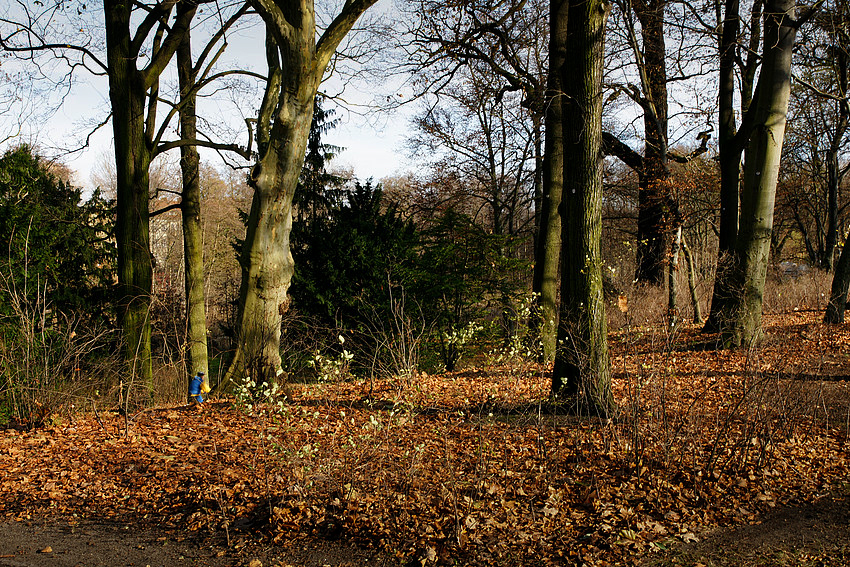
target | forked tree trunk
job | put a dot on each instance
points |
(297, 63)
(193, 241)
(128, 87)
(731, 143)
(582, 369)
(761, 172)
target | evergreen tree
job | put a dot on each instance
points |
(317, 188)
(58, 248)
(348, 259)
(463, 272)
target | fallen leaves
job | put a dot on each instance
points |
(468, 466)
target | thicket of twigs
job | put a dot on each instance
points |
(468, 466)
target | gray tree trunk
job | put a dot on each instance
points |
(672, 289)
(582, 369)
(692, 278)
(297, 63)
(761, 172)
(193, 243)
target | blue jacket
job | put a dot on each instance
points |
(195, 388)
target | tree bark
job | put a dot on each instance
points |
(841, 276)
(672, 295)
(582, 369)
(840, 284)
(193, 242)
(657, 207)
(833, 178)
(548, 253)
(128, 87)
(761, 172)
(692, 277)
(731, 144)
(297, 63)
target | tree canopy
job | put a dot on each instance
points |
(58, 248)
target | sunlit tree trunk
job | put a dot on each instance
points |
(672, 272)
(297, 63)
(761, 172)
(692, 278)
(193, 243)
(582, 367)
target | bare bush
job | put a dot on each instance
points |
(50, 363)
(787, 291)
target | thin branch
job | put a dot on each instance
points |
(704, 137)
(164, 210)
(51, 46)
(166, 146)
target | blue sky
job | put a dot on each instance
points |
(372, 143)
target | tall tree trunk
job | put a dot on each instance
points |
(833, 179)
(133, 128)
(657, 206)
(761, 172)
(193, 243)
(582, 367)
(692, 278)
(548, 252)
(127, 92)
(297, 63)
(135, 265)
(840, 284)
(841, 277)
(731, 144)
(267, 264)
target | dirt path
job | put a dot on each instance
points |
(90, 544)
(814, 535)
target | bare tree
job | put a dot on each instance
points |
(582, 366)
(297, 58)
(642, 76)
(486, 143)
(139, 43)
(507, 38)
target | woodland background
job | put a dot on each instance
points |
(402, 364)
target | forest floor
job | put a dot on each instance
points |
(717, 458)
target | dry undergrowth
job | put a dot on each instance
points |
(467, 467)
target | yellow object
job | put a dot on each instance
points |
(205, 385)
